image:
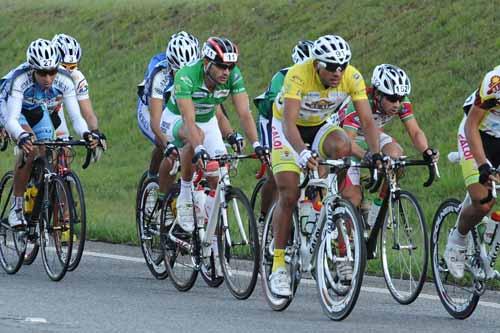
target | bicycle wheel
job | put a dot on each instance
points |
(56, 221)
(148, 228)
(256, 197)
(238, 244)
(32, 243)
(12, 243)
(208, 271)
(458, 296)
(80, 219)
(405, 249)
(182, 267)
(341, 242)
(278, 303)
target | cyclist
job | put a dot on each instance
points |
(478, 145)
(182, 49)
(311, 93)
(188, 120)
(34, 92)
(71, 52)
(264, 103)
(388, 97)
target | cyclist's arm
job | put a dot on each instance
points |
(156, 109)
(476, 114)
(79, 124)
(242, 105)
(356, 149)
(88, 113)
(416, 134)
(223, 122)
(368, 124)
(290, 129)
(186, 107)
(14, 107)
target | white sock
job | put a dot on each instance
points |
(185, 193)
(17, 202)
(457, 238)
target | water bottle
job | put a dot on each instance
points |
(29, 198)
(491, 227)
(373, 213)
(312, 218)
(199, 198)
(305, 209)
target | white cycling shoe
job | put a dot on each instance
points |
(185, 215)
(454, 256)
(344, 271)
(279, 283)
(16, 218)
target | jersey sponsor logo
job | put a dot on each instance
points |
(199, 94)
(297, 79)
(356, 76)
(313, 95)
(464, 145)
(186, 80)
(83, 87)
(322, 104)
(277, 144)
(494, 85)
(221, 93)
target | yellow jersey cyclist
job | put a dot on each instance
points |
(388, 97)
(32, 95)
(189, 120)
(311, 93)
(264, 103)
(479, 149)
(71, 53)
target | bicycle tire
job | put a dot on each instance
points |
(209, 275)
(238, 258)
(151, 245)
(256, 195)
(415, 237)
(182, 279)
(55, 220)
(32, 247)
(337, 306)
(11, 247)
(278, 303)
(80, 218)
(443, 280)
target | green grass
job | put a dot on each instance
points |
(443, 46)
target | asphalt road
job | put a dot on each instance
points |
(113, 291)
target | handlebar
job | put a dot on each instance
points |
(492, 193)
(432, 167)
(64, 143)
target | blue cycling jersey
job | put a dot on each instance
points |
(158, 80)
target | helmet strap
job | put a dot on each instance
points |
(209, 76)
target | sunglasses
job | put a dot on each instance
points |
(224, 66)
(44, 72)
(332, 67)
(70, 67)
(394, 98)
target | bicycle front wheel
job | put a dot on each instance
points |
(340, 260)
(458, 296)
(80, 219)
(56, 229)
(405, 249)
(12, 243)
(238, 244)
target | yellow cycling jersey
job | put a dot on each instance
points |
(487, 98)
(317, 103)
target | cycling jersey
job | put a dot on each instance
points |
(189, 83)
(28, 103)
(350, 118)
(264, 102)
(487, 98)
(317, 102)
(158, 80)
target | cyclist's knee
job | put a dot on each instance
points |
(393, 150)
(337, 145)
(353, 194)
(482, 209)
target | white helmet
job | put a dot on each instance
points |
(302, 51)
(68, 47)
(331, 49)
(42, 54)
(182, 49)
(391, 80)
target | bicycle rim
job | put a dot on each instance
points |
(12, 245)
(149, 228)
(79, 221)
(239, 259)
(335, 250)
(405, 249)
(457, 295)
(56, 230)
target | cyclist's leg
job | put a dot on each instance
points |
(144, 122)
(268, 190)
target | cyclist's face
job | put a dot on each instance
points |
(390, 106)
(330, 78)
(221, 72)
(70, 67)
(45, 77)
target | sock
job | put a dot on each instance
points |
(215, 247)
(185, 194)
(279, 259)
(17, 202)
(457, 238)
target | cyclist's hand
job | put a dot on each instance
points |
(97, 142)
(485, 175)
(374, 159)
(170, 150)
(200, 156)
(101, 138)
(262, 153)
(430, 155)
(308, 159)
(236, 141)
(25, 142)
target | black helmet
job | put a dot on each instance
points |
(220, 50)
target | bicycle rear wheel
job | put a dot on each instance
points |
(342, 243)
(12, 243)
(32, 242)
(238, 244)
(458, 296)
(80, 219)
(56, 221)
(148, 228)
(180, 260)
(278, 303)
(405, 249)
